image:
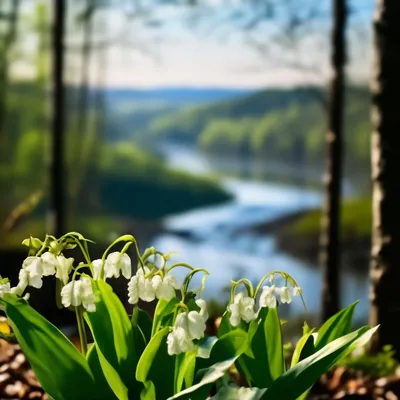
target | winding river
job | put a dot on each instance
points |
(215, 239)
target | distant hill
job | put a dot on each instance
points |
(186, 124)
(173, 95)
(130, 111)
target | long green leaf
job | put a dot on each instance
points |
(208, 377)
(301, 345)
(100, 380)
(156, 368)
(335, 327)
(267, 362)
(294, 382)
(55, 360)
(163, 309)
(113, 334)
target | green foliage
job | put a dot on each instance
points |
(376, 365)
(169, 357)
(356, 220)
(114, 340)
(54, 359)
(273, 125)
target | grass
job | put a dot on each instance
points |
(356, 220)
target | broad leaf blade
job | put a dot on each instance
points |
(335, 327)
(208, 377)
(54, 359)
(156, 368)
(267, 361)
(112, 330)
(303, 375)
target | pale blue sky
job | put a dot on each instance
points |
(211, 52)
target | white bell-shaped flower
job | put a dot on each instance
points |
(31, 272)
(165, 287)
(117, 263)
(178, 341)
(285, 293)
(97, 268)
(193, 324)
(203, 309)
(4, 288)
(140, 287)
(297, 291)
(77, 293)
(242, 309)
(59, 265)
(235, 393)
(268, 297)
(49, 263)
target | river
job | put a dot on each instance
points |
(214, 237)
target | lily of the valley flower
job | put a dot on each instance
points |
(117, 263)
(59, 265)
(268, 297)
(165, 287)
(242, 308)
(285, 293)
(297, 291)
(178, 341)
(4, 288)
(234, 393)
(97, 268)
(140, 287)
(77, 293)
(188, 326)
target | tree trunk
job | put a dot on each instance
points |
(330, 249)
(8, 40)
(57, 170)
(385, 265)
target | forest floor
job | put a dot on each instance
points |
(18, 381)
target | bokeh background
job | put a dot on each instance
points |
(197, 126)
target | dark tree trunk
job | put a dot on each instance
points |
(330, 248)
(83, 100)
(57, 171)
(7, 41)
(385, 266)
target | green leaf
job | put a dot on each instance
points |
(113, 334)
(156, 368)
(141, 325)
(224, 326)
(304, 343)
(230, 345)
(294, 382)
(268, 362)
(100, 380)
(335, 327)
(163, 309)
(113, 378)
(54, 359)
(184, 369)
(207, 377)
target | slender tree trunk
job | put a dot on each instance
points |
(385, 265)
(330, 247)
(8, 40)
(83, 107)
(57, 168)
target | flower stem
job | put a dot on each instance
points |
(81, 329)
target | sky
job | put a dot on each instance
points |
(169, 48)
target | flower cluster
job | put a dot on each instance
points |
(188, 327)
(244, 307)
(147, 286)
(46, 259)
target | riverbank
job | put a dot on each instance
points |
(298, 234)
